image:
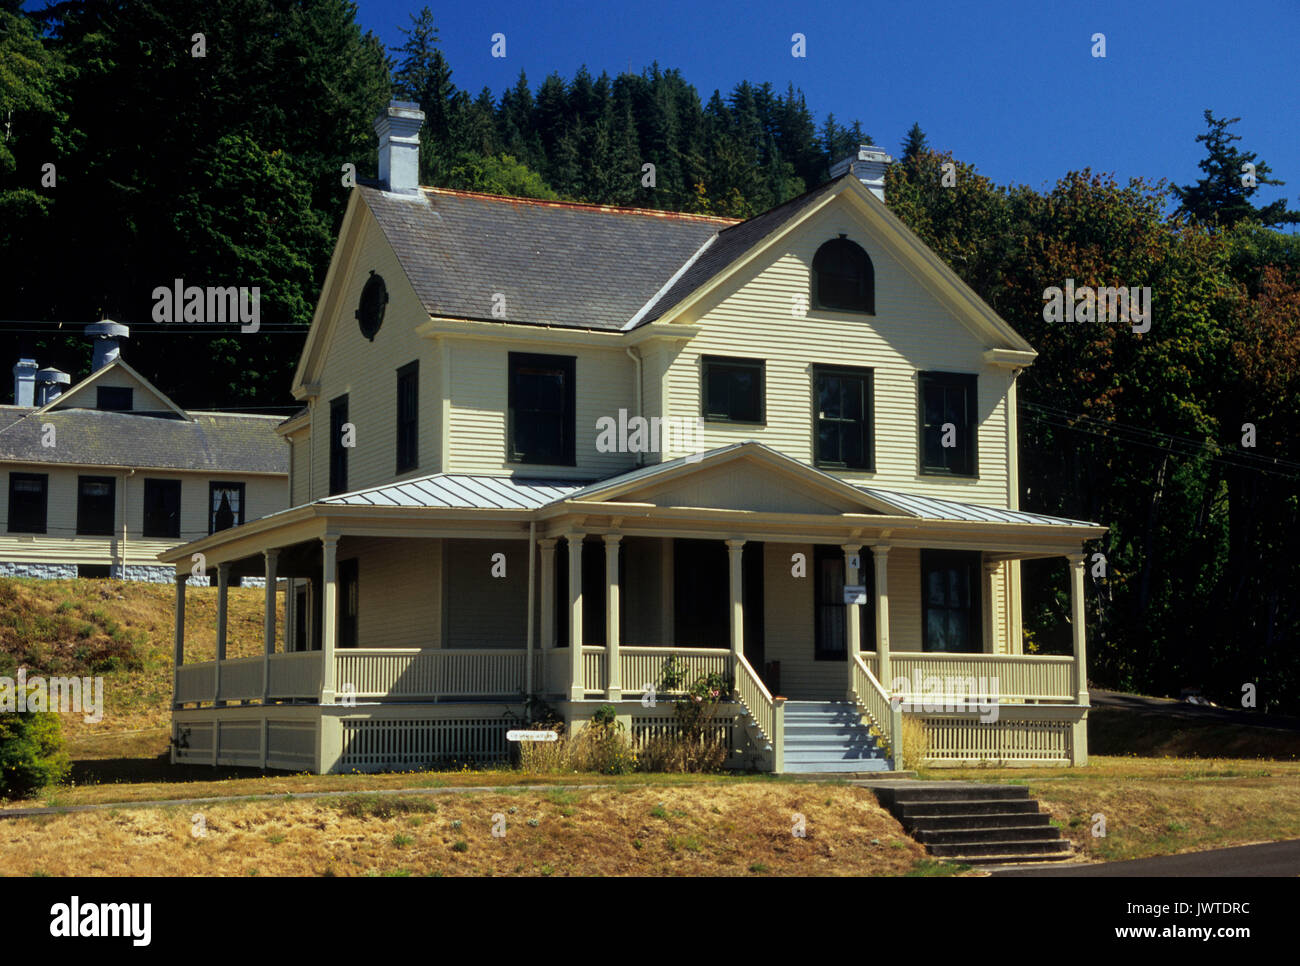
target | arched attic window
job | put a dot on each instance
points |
(843, 278)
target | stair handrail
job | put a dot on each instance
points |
(767, 712)
(874, 702)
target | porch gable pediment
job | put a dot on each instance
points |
(746, 477)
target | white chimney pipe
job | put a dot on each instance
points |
(398, 128)
(25, 382)
(869, 165)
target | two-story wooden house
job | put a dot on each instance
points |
(547, 445)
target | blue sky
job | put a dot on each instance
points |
(1011, 87)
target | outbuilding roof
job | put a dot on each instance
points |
(208, 441)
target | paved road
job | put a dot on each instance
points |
(1270, 859)
(1183, 709)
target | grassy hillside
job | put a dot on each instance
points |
(121, 630)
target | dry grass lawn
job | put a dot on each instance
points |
(1161, 806)
(720, 828)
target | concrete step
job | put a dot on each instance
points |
(857, 765)
(960, 820)
(956, 792)
(911, 811)
(1014, 858)
(988, 833)
(1021, 849)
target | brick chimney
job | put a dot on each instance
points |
(869, 165)
(398, 128)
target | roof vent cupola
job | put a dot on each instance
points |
(105, 335)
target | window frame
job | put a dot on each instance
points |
(82, 522)
(213, 485)
(814, 280)
(165, 484)
(709, 362)
(868, 376)
(130, 399)
(338, 453)
(972, 560)
(44, 480)
(970, 381)
(566, 364)
(408, 423)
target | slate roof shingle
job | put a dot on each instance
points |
(568, 265)
(217, 442)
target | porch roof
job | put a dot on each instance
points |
(467, 491)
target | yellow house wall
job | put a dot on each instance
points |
(61, 544)
(911, 331)
(367, 371)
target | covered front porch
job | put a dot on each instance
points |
(405, 619)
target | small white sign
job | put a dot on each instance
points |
(531, 736)
(855, 561)
(855, 594)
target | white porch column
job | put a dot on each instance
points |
(614, 676)
(328, 614)
(547, 589)
(577, 688)
(269, 558)
(179, 634)
(852, 612)
(735, 550)
(1078, 619)
(880, 558)
(989, 571)
(223, 585)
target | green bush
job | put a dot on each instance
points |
(31, 753)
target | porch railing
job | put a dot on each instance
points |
(194, 682)
(241, 678)
(873, 700)
(643, 666)
(767, 712)
(433, 673)
(1016, 677)
(295, 674)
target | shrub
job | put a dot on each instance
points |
(915, 742)
(31, 753)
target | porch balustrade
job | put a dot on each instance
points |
(1006, 677)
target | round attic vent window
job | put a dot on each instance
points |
(370, 311)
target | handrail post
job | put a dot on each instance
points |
(778, 734)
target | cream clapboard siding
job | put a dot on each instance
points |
(482, 610)
(367, 371)
(789, 633)
(479, 408)
(911, 331)
(395, 607)
(641, 588)
(61, 544)
(86, 397)
(300, 468)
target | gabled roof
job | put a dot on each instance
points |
(212, 442)
(120, 364)
(732, 244)
(556, 263)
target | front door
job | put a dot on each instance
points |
(830, 642)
